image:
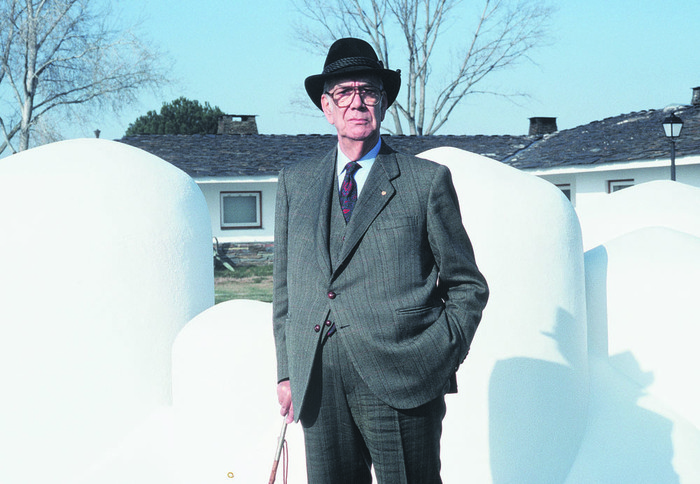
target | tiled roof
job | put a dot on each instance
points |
(496, 147)
(628, 137)
(224, 155)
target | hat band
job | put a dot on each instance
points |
(352, 62)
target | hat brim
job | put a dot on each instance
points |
(390, 79)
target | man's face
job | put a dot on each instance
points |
(357, 121)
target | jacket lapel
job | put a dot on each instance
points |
(376, 193)
(326, 181)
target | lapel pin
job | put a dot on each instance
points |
(383, 193)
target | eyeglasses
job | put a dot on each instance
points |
(343, 96)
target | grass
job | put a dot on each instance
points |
(252, 282)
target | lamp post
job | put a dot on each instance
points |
(672, 127)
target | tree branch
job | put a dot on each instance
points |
(66, 55)
(504, 34)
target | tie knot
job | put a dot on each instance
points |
(351, 168)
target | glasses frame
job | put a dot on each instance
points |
(357, 91)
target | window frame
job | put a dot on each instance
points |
(565, 186)
(621, 183)
(257, 194)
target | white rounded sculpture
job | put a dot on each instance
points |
(642, 281)
(105, 255)
(529, 356)
(521, 410)
(225, 397)
(578, 374)
(660, 203)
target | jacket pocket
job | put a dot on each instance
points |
(397, 223)
(417, 309)
(410, 323)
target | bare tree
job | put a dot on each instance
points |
(503, 34)
(59, 54)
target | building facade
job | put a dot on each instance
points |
(237, 168)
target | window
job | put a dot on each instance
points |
(241, 210)
(566, 189)
(617, 185)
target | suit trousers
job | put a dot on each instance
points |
(347, 429)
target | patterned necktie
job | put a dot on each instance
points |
(348, 190)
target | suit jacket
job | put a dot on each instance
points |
(404, 289)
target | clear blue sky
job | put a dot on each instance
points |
(607, 57)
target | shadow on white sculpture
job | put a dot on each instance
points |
(529, 354)
(642, 281)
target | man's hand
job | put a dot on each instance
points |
(284, 396)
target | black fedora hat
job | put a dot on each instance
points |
(347, 57)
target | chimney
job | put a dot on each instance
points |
(237, 124)
(696, 96)
(540, 126)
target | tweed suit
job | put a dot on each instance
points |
(404, 290)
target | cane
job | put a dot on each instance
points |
(280, 444)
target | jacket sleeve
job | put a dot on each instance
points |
(280, 299)
(461, 285)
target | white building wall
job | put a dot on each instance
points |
(212, 189)
(592, 187)
(589, 186)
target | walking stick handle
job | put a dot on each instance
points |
(280, 444)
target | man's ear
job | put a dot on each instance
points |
(327, 107)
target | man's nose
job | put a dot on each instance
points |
(357, 101)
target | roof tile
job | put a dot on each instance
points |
(629, 137)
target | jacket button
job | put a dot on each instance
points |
(328, 323)
(331, 295)
(317, 328)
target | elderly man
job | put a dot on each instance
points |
(376, 292)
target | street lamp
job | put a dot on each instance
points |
(672, 127)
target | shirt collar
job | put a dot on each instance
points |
(365, 162)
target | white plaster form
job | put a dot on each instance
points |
(529, 355)
(105, 255)
(657, 203)
(578, 374)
